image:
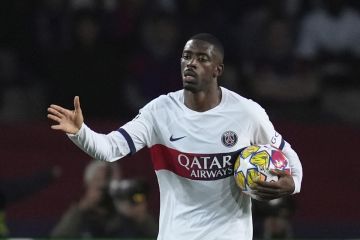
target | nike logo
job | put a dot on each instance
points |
(172, 139)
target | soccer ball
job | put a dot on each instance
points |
(255, 162)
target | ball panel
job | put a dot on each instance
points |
(261, 159)
(251, 177)
(237, 163)
(278, 159)
(240, 180)
(249, 150)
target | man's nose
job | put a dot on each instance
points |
(192, 62)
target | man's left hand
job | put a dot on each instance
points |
(271, 190)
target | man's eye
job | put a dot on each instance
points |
(186, 56)
(203, 59)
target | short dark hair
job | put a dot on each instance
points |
(207, 37)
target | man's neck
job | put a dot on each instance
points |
(202, 101)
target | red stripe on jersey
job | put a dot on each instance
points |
(193, 166)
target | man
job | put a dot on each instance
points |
(194, 136)
(90, 216)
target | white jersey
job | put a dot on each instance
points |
(193, 155)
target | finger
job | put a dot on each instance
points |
(77, 103)
(52, 111)
(273, 185)
(56, 127)
(54, 118)
(59, 109)
(266, 190)
(278, 172)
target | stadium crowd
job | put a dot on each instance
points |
(298, 58)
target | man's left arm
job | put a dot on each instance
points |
(288, 183)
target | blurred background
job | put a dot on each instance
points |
(299, 59)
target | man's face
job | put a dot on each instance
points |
(100, 179)
(201, 64)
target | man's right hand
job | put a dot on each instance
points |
(68, 121)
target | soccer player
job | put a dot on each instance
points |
(194, 136)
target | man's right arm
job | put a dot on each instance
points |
(106, 147)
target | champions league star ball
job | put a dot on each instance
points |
(255, 162)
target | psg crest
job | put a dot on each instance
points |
(229, 138)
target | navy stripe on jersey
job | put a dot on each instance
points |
(282, 144)
(128, 140)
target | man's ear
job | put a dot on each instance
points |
(219, 70)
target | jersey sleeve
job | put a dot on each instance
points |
(106, 147)
(265, 133)
(127, 140)
(140, 131)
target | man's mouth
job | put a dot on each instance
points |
(189, 74)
